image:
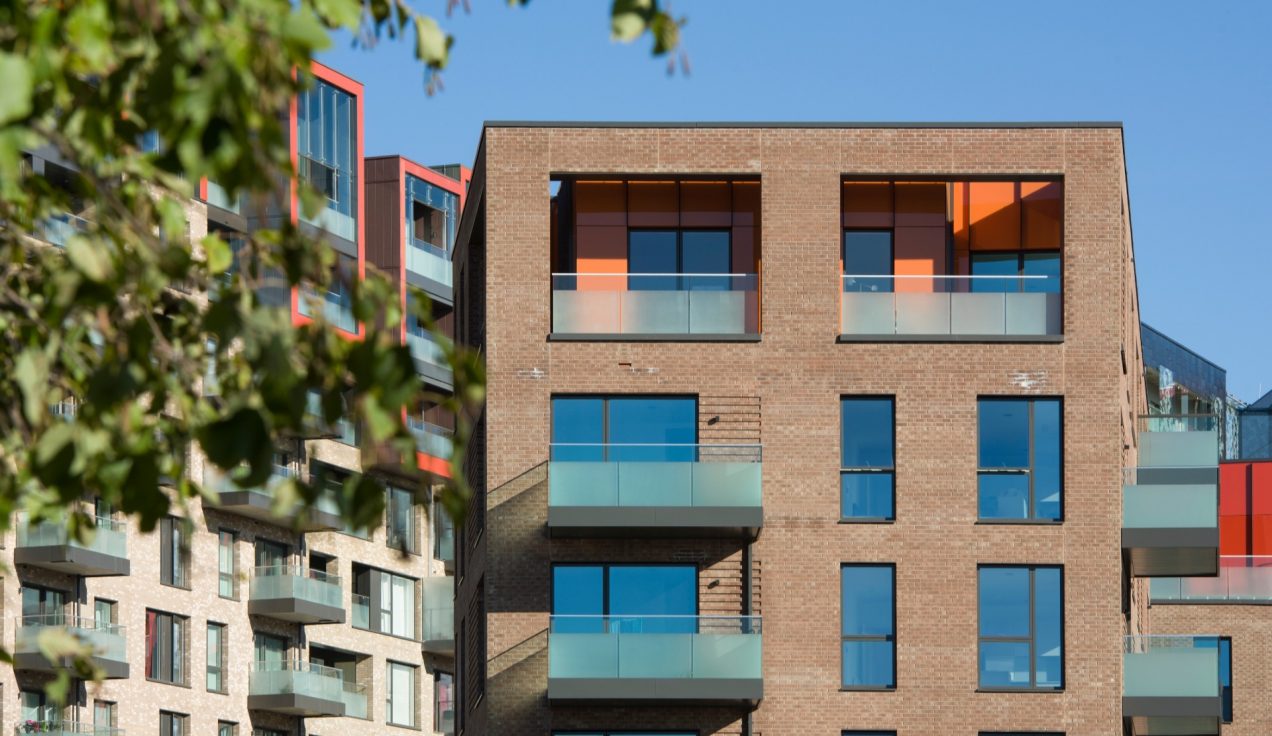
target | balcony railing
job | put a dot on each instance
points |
(296, 687)
(361, 611)
(655, 485)
(50, 545)
(337, 308)
(218, 197)
(292, 592)
(355, 700)
(704, 304)
(439, 615)
(428, 260)
(430, 438)
(108, 641)
(714, 658)
(58, 228)
(63, 728)
(1172, 684)
(1241, 579)
(937, 305)
(258, 501)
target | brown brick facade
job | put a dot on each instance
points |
(788, 384)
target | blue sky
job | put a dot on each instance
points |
(1191, 81)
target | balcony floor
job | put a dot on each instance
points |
(298, 610)
(656, 691)
(72, 560)
(655, 521)
(294, 704)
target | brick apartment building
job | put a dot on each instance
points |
(245, 623)
(820, 429)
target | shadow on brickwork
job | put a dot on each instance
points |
(517, 545)
(518, 677)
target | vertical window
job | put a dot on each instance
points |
(400, 706)
(216, 657)
(105, 716)
(172, 724)
(105, 613)
(271, 554)
(868, 626)
(867, 254)
(397, 605)
(174, 553)
(443, 702)
(165, 647)
(37, 709)
(269, 651)
(400, 532)
(1021, 637)
(42, 606)
(867, 462)
(226, 564)
(443, 534)
(1225, 676)
(1019, 459)
(226, 728)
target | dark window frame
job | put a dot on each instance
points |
(605, 423)
(165, 623)
(1029, 471)
(891, 638)
(174, 553)
(233, 536)
(891, 470)
(168, 721)
(605, 581)
(1031, 639)
(679, 231)
(219, 669)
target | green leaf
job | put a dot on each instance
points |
(380, 422)
(219, 255)
(302, 28)
(56, 447)
(629, 19)
(15, 92)
(432, 44)
(230, 441)
(31, 371)
(90, 259)
(340, 13)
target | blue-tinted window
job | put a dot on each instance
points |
(625, 428)
(1021, 614)
(1224, 645)
(1019, 459)
(326, 142)
(1002, 272)
(635, 598)
(866, 458)
(868, 626)
(867, 253)
(692, 255)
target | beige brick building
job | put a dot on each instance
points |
(680, 320)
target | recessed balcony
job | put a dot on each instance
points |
(439, 616)
(258, 502)
(297, 688)
(108, 643)
(940, 307)
(1170, 502)
(293, 593)
(49, 545)
(1172, 685)
(655, 490)
(658, 660)
(430, 360)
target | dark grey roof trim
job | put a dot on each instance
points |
(788, 124)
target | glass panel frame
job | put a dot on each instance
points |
(1020, 459)
(868, 626)
(1029, 651)
(867, 459)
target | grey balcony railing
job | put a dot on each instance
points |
(940, 305)
(273, 582)
(337, 308)
(655, 303)
(361, 611)
(355, 699)
(58, 228)
(296, 677)
(108, 641)
(109, 537)
(428, 260)
(439, 609)
(1241, 579)
(218, 197)
(430, 438)
(62, 728)
(1171, 667)
(654, 647)
(635, 475)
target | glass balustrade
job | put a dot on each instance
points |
(938, 305)
(655, 303)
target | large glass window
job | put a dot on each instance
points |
(868, 626)
(326, 138)
(166, 647)
(867, 253)
(1021, 612)
(867, 460)
(397, 605)
(105, 715)
(637, 598)
(625, 428)
(173, 724)
(692, 258)
(443, 702)
(400, 705)
(1019, 459)
(1037, 273)
(174, 553)
(400, 528)
(43, 606)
